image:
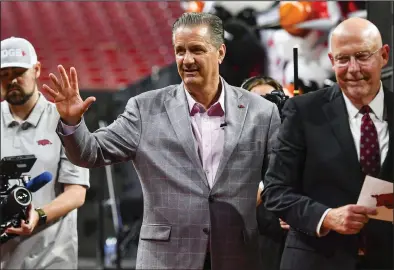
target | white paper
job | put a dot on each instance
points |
(378, 193)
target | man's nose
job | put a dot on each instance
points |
(354, 66)
(14, 80)
(188, 59)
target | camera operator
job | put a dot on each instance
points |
(263, 85)
(49, 238)
(273, 231)
(268, 88)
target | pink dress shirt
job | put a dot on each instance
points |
(208, 135)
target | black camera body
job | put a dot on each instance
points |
(14, 199)
(279, 98)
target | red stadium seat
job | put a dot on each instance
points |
(111, 44)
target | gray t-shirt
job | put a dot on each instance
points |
(55, 245)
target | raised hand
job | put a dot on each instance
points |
(66, 95)
(348, 219)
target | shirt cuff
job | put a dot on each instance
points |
(319, 231)
(68, 130)
(261, 185)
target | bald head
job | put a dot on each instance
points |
(358, 55)
(357, 30)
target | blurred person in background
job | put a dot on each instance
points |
(272, 230)
(268, 88)
(263, 85)
(198, 147)
(329, 142)
(49, 240)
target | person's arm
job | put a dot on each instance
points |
(72, 198)
(282, 194)
(282, 223)
(75, 181)
(115, 143)
(112, 144)
(272, 138)
(268, 223)
(68, 130)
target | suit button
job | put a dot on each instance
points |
(205, 230)
(211, 199)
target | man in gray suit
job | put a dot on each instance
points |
(198, 147)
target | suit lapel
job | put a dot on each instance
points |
(178, 113)
(236, 108)
(337, 115)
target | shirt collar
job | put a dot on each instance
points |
(191, 101)
(34, 116)
(376, 105)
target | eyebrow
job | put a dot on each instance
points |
(195, 46)
(191, 46)
(364, 51)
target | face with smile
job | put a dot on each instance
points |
(357, 58)
(196, 57)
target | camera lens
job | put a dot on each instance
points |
(22, 196)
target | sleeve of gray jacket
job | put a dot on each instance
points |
(272, 136)
(269, 223)
(112, 144)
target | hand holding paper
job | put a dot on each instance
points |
(378, 193)
(348, 219)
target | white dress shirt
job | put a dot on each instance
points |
(377, 116)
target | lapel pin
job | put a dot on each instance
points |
(241, 106)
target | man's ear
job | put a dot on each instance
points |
(37, 69)
(331, 59)
(385, 54)
(222, 53)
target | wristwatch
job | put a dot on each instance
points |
(42, 216)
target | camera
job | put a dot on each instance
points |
(14, 198)
(279, 98)
(276, 96)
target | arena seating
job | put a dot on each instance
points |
(112, 44)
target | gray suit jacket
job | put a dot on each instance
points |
(181, 212)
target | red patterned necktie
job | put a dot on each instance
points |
(369, 144)
(369, 158)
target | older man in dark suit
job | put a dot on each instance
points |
(329, 141)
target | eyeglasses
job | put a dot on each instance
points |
(362, 58)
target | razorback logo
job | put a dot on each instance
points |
(44, 142)
(12, 52)
(386, 200)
